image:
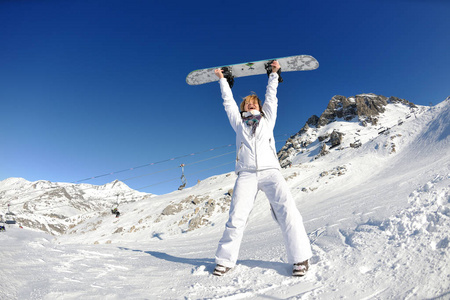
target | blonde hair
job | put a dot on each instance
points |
(251, 97)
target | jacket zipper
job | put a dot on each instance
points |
(273, 150)
(256, 154)
(239, 151)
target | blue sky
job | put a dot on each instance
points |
(89, 88)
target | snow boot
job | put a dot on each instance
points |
(220, 270)
(300, 269)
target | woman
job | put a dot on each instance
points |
(258, 168)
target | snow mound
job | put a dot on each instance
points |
(429, 215)
(412, 245)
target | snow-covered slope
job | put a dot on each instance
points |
(378, 214)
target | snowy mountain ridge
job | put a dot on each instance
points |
(55, 207)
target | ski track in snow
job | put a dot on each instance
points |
(380, 231)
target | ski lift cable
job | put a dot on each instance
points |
(190, 174)
(159, 162)
(148, 174)
(215, 167)
(158, 183)
(135, 177)
(153, 163)
(169, 169)
(127, 179)
(213, 157)
(188, 164)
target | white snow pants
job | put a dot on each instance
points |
(272, 183)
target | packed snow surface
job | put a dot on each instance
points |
(378, 219)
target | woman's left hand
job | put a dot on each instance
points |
(275, 66)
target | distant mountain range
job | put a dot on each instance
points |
(55, 207)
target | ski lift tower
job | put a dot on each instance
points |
(183, 178)
(10, 217)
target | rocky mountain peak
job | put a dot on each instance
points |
(363, 109)
(366, 107)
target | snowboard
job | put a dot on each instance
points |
(288, 64)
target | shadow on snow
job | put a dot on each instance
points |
(280, 267)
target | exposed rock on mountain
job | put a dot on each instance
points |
(365, 106)
(363, 109)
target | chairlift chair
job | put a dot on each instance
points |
(115, 208)
(10, 217)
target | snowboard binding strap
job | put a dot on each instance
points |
(227, 74)
(268, 67)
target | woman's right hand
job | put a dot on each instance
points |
(219, 73)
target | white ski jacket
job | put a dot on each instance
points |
(254, 152)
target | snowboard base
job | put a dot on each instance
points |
(288, 64)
